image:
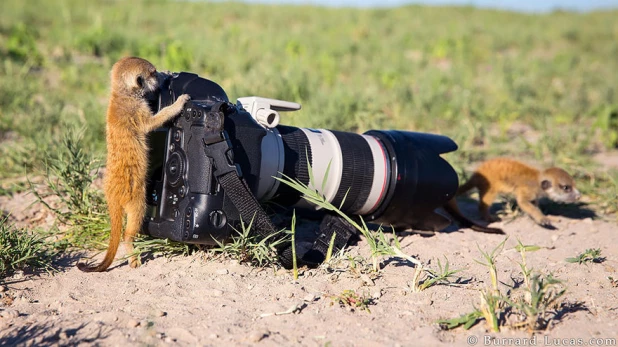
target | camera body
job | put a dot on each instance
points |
(186, 200)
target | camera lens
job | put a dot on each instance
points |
(392, 177)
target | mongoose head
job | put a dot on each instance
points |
(559, 185)
(134, 76)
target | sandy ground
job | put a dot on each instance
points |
(194, 300)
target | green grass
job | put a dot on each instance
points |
(22, 250)
(432, 277)
(411, 68)
(250, 247)
(591, 255)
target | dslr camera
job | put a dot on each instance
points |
(386, 176)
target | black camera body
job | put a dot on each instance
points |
(185, 202)
(386, 176)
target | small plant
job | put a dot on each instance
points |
(589, 256)
(293, 233)
(532, 310)
(490, 263)
(165, 247)
(467, 320)
(522, 249)
(20, 249)
(69, 194)
(350, 298)
(431, 278)
(249, 247)
(542, 296)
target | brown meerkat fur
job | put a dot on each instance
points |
(129, 120)
(526, 183)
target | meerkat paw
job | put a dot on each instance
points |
(180, 102)
(183, 99)
(134, 262)
(545, 222)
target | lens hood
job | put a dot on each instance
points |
(420, 180)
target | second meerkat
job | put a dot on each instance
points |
(129, 120)
(526, 183)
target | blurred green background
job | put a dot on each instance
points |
(539, 87)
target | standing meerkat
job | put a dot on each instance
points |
(526, 183)
(129, 120)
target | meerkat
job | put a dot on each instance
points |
(526, 183)
(129, 119)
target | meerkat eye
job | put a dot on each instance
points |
(566, 188)
(140, 81)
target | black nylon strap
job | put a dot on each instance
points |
(246, 204)
(331, 224)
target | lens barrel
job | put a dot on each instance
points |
(392, 177)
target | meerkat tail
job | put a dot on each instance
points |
(115, 214)
(471, 183)
(452, 208)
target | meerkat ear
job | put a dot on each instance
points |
(140, 81)
(545, 184)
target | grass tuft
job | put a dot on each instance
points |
(22, 250)
(250, 247)
(591, 255)
(531, 308)
(69, 193)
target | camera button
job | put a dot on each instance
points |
(218, 219)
